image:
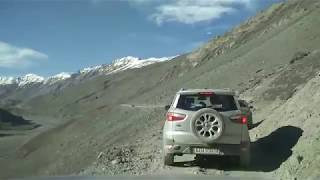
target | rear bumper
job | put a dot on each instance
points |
(180, 142)
(224, 149)
(182, 137)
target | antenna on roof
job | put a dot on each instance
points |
(182, 89)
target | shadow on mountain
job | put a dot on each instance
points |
(9, 121)
(267, 153)
(5, 135)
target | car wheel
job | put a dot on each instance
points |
(207, 125)
(168, 159)
(200, 158)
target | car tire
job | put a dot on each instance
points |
(200, 158)
(217, 116)
(245, 155)
(168, 159)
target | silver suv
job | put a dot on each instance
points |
(206, 122)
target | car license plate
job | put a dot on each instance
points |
(206, 151)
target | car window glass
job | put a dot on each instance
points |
(195, 102)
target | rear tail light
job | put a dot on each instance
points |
(244, 120)
(240, 119)
(206, 93)
(175, 116)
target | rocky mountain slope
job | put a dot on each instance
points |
(112, 124)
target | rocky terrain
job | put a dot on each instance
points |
(98, 124)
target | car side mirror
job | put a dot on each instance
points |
(167, 107)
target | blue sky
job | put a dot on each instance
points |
(51, 36)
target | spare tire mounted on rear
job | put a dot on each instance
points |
(207, 125)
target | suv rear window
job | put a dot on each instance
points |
(194, 102)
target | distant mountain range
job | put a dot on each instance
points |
(117, 65)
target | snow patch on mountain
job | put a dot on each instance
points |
(29, 79)
(90, 69)
(58, 77)
(33, 79)
(121, 64)
(7, 80)
(131, 62)
(61, 76)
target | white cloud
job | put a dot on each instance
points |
(190, 11)
(16, 57)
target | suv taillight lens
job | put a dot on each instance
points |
(206, 93)
(240, 119)
(175, 116)
(244, 120)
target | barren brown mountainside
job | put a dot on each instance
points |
(111, 124)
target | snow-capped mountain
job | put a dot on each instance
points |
(30, 79)
(124, 63)
(117, 65)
